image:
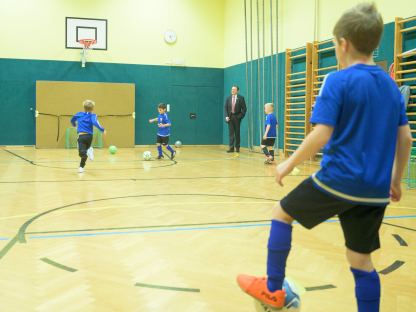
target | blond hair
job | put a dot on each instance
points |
(362, 25)
(269, 104)
(88, 105)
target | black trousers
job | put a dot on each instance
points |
(84, 143)
(234, 131)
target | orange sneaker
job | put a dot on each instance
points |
(257, 288)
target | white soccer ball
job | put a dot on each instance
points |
(147, 155)
(292, 300)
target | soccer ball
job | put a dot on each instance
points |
(178, 144)
(112, 149)
(147, 155)
(292, 300)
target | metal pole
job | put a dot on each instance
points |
(251, 69)
(263, 56)
(277, 67)
(247, 85)
(271, 52)
(258, 69)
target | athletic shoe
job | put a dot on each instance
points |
(160, 157)
(256, 287)
(237, 150)
(268, 161)
(231, 150)
(90, 153)
(172, 155)
(81, 170)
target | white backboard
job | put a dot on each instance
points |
(78, 28)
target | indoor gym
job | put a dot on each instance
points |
(131, 234)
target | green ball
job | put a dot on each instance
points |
(112, 149)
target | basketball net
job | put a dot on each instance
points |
(87, 45)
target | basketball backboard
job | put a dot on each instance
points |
(85, 28)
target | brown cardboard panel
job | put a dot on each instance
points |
(65, 98)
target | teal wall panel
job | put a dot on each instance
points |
(154, 84)
(237, 75)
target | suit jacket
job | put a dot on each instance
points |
(240, 106)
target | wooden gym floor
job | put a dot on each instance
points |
(130, 235)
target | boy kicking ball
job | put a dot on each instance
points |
(269, 136)
(85, 121)
(163, 131)
(360, 119)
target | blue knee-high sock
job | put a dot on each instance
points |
(170, 149)
(159, 150)
(266, 151)
(367, 290)
(278, 250)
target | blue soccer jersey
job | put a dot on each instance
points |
(85, 122)
(271, 120)
(163, 119)
(365, 107)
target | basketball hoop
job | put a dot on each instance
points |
(87, 43)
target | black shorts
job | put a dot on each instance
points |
(268, 142)
(360, 223)
(164, 140)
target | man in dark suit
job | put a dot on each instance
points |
(235, 110)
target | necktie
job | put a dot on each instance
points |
(233, 105)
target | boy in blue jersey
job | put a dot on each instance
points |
(85, 122)
(269, 136)
(163, 131)
(361, 123)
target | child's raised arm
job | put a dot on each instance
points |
(309, 147)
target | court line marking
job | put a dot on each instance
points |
(21, 234)
(172, 228)
(58, 265)
(400, 226)
(173, 162)
(138, 179)
(196, 290)
(322, 287)
(147, 227)
(149, 205)
(392, 267)
(184, 225)
(400, 239)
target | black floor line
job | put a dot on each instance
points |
(172, 163)
(322, 287)
(392, 267)
(400, 239)
(134, 179)
(400, 226)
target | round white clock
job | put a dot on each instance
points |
(170, 36)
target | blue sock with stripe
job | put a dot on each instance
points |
(170, 149)
(280, 240)
(159, 150)
(367, 290)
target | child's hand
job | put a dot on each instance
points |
(395, 192)
(151, 120)
(161, 125)
(283, 170)
(105, 132)
(264, 137)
